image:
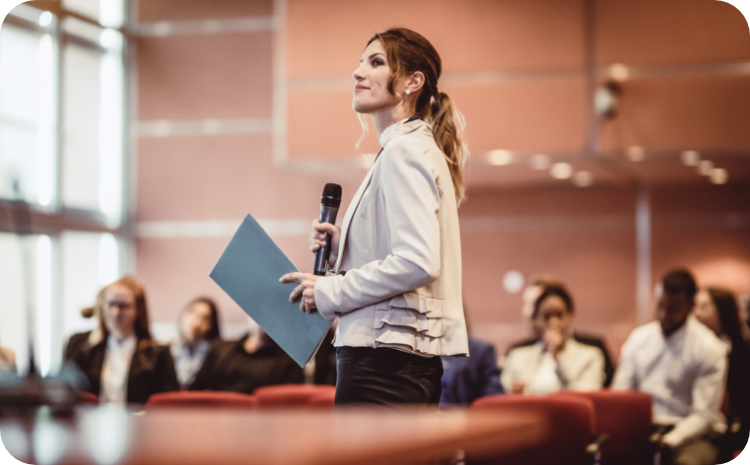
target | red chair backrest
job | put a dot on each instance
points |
(571, 424)
(289, 395)
(202, 399)
(625, 416)
(322, 400)
(87, 398)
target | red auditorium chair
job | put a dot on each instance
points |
(322, 400)
(571, 425)
(202, 399)
(625, 417)
(87, 398)
(289, 395)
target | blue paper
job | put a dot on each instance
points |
(249, 271)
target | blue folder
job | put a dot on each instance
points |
(249, 271)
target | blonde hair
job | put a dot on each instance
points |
(407, 53)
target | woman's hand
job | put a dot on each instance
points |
(305, 292)
(318, 239)
(554, 341)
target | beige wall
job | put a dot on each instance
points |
(517, 71)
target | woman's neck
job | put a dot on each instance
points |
(387, 116)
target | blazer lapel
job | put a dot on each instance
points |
(349, 215)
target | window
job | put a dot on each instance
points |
(62, 146)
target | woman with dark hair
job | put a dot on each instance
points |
(717, 309)
(396, 283)
(557, 361)
(125, 364)
(198, 327)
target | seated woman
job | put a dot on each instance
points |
(717, 309)
(7, 360)
(125, 365)
(247, 364)
(198, 326)
(556, 362)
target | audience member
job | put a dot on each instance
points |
(466, 379)
(682, 365)
(247, 364)
(7, 360)
(530, 294)
(125, 364)
(556, 361)
(717, 309)
(198, 327)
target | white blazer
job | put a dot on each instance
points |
(398, 272)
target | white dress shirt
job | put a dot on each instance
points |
(187, 362)
(579, 367)
(685, 374)
(114, 379)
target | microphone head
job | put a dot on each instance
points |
(331, 195)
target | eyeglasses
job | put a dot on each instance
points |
(120, 305)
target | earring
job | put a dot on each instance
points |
(407, 92)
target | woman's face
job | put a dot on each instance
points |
(371, 81)
(196, 322)
(554, 314)
(705, 311)
(119, 311)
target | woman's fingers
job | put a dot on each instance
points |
(296, 293)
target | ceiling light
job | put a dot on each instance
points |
(540, 161)
(705, 167)
(499, 157)
(635, 153)
(583, 179)
(619, 72)
(45, 19)
(690, 158)
(718, 176)
(561, 170)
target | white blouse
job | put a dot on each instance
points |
(114, 379)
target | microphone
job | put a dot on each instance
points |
(329, 207)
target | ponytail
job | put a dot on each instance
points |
(409, 52)
(448, 129)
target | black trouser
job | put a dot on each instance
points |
(386, 377)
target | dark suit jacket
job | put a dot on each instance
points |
(151, 370)
(466, 379)
(609, 367)
(228, 367)
(76, 343)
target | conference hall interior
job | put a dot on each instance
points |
(607, 197)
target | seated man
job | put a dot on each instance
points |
(530, 294)
(466, 379)
(247, 364)
(556, 362)
(682, 365)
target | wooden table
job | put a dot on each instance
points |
(108, 436)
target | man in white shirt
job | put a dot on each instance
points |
(682, 365)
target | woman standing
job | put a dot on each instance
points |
(126, 365)
(396, 287)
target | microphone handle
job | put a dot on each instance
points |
(327, 215)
